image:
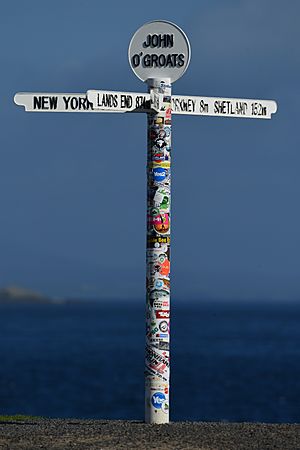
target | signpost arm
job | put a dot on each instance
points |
(157, 357)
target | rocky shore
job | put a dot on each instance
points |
(106, 434)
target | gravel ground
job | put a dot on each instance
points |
(106, 434)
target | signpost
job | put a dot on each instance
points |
(159, 54)
(121, 102)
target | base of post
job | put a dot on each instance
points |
(156, 404)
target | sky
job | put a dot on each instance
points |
(73, 186)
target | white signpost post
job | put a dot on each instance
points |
(159, 53)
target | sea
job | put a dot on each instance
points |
(230, 361)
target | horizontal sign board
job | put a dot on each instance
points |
(223, 107)
(95, 101)
(119, 101)
(112, 101)
(53, 102)
(203, 106)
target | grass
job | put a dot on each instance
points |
(17, 417)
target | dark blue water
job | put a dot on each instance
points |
(229, 361)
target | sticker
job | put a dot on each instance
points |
(161, 283)
(158, 156)
(160, 174)
(154, 374)
(154, 330)
(162, 315)
(163, 248)
(155, 342)
(165, 267)
(167, 131)
(160, 303)
(160, 344)
(160, 266)
(163, 345)
(158, 399)
(161, 197)
(155, 241)
(153, 212)
(165, 164)
(162, 336)
(156, 269)
(162, 133)
(157, 249)
(156, 356)
(159, 220)
(163, 326)
(158, 284)
(160, 143)
(163, 87)
(157, 295)
(156, 361)
(165, 407)
(161, 223)
(168, 113)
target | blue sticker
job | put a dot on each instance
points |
(159, 174)
(167, 131)
(158, 284)
(157, 399)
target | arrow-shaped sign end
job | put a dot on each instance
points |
(273, 107)
(18, 99)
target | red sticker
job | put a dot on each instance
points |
(162, 314)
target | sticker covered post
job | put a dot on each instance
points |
(157, 357)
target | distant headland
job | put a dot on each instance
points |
(20, 294)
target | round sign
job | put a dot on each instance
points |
(159, 49)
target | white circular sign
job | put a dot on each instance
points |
(159, 49)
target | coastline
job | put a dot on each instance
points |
(42, 433)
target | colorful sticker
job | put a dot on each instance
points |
(162, 314)
(158, 399)
(158, 294)
(160, 174)
(162, 201)
(158, 241)
(158, 221)
(161, 303)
